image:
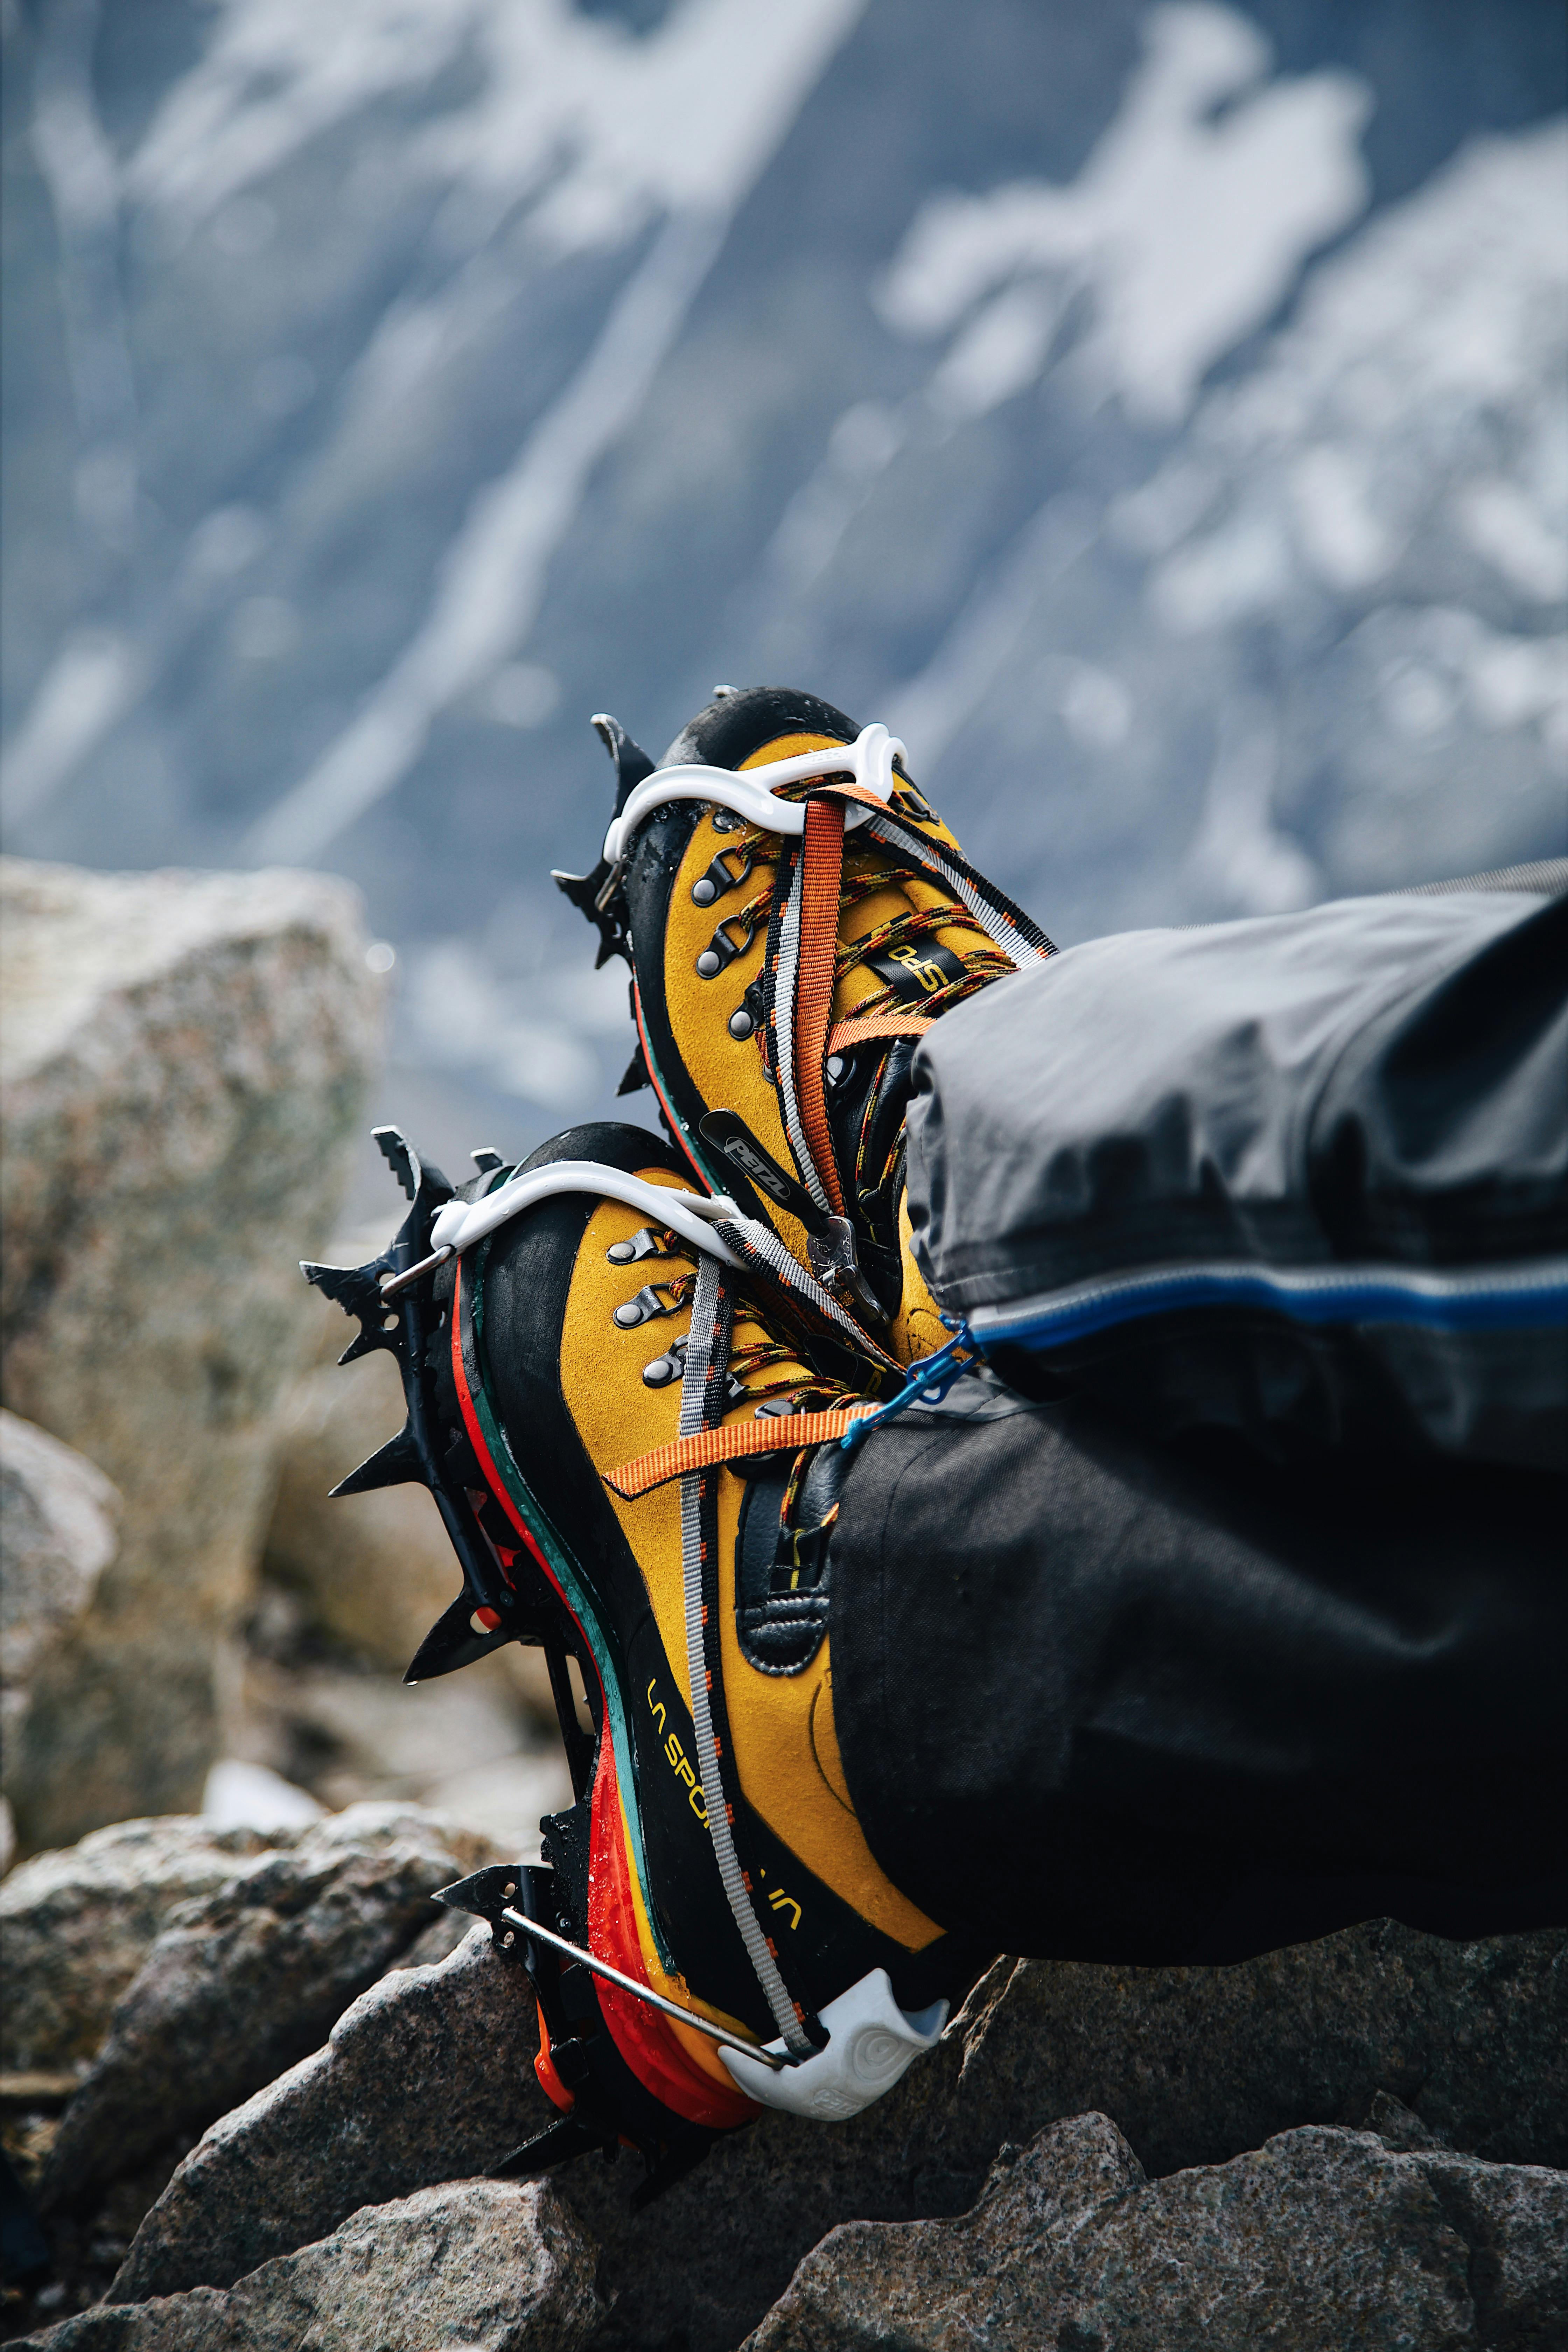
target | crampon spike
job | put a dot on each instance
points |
(559, 2143)
(390, 1298)
(635, 1076)
(583, 890)
(395, 1464)
(469, 1630)
(632, 765)
(400, 1156)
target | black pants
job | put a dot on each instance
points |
(1100, 1699)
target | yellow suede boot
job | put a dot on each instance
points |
(620, 1381)
(795, 916)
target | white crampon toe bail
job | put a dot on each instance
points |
(462, 1223)
(872, 2043)
(869, 760)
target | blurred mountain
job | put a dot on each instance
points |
(1154, 414)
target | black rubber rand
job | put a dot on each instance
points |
(526, 1273)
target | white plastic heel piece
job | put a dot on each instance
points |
(872, 2042)
(870, 759)
(462, 1223)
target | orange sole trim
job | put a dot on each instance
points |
(644, 2041)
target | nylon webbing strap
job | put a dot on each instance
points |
(759, 1247)
(845, 1034)
(701, 1389)
(784, 1011)
(821, 881)
(1007, 927)
(705, 1449)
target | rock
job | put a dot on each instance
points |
(373, 1571)
(461, 1744)
(76, 1927)
(1398, 2125)
(1196, 2065)
(489, 2266)
(1513, 2219)
(1321, 2239)
(58, 1534)
(183, 1062)
(869, 2279)
(247, 1978)
(436, 1942)
(1188, 2062)
(427, 2077)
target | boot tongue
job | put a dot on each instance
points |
(866, 1111)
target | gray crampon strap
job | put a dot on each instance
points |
(703, 1357)
(1010, 931)
(760, 1250)
(993, 917)
(783, 1032)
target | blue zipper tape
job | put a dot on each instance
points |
(1533, 1296)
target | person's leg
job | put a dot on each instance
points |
(1097, 1701)
(1303, 1178)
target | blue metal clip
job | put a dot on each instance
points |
(928, 1382)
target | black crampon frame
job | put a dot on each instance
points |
(416, 1455)
(610, 2108)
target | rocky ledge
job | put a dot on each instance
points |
(255, 2084)
(295, 2086)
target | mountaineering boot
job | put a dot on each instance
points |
(621, 1381)
(795, 916)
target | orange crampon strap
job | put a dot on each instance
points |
(846, 1034)
(705, 1447)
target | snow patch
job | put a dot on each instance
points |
(249, 1796)
(680, 123)
(1503, 524)
(1420, 386)
(601, 130)
(1187, 225)
(1239, 857)
(92, 683)
(530, 1031)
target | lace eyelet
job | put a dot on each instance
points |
(644, 1308)
(671, 1366)
(642, 1244)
